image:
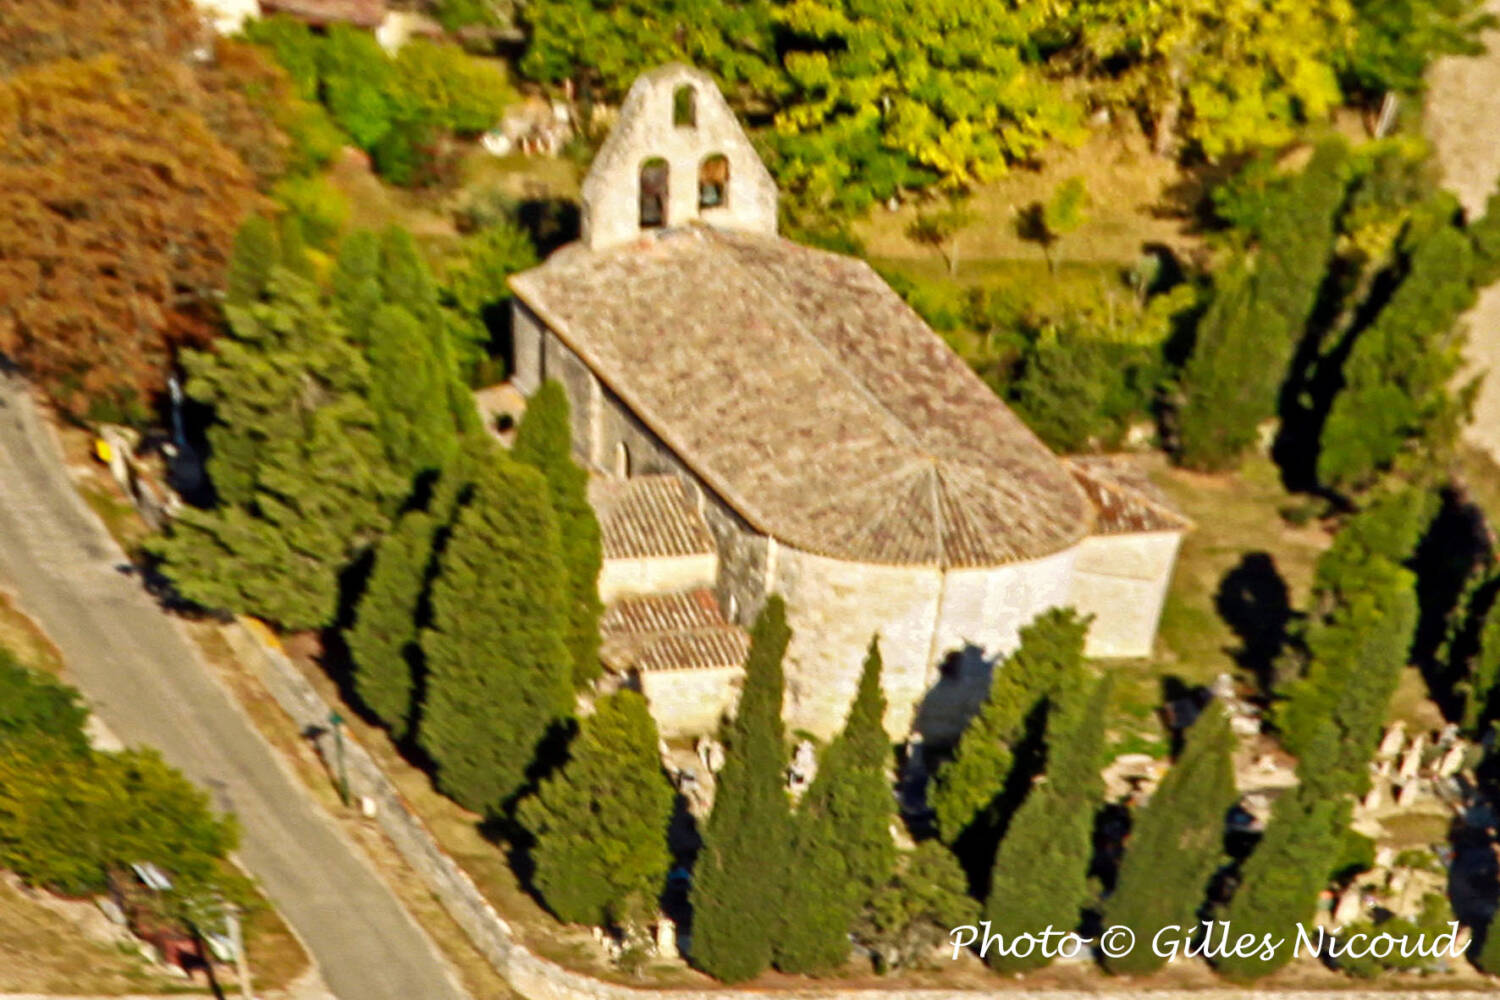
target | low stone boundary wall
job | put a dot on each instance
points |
(536, 978)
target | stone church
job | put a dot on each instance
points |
(761, 417)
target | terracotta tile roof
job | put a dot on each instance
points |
(676, 632)
(648, 516)
(363, 13)
(806, 393)
(1125, 499)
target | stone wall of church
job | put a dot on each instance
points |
(691, 702)
(963, 619)
(1122, 580)
(527, 334)
(608, 438)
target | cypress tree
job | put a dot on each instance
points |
(1357, 643)
(739, 883)
(1176, 845)
(1489, 954)
(409, 391)
(497, 664)
(302, 481)
(545, 440)
(257, 251)
(356, 283)
(1281, 882)
(1397, 377)
(407, 282)
(1040, 876)
(842, 850)
(1247, 337)
(600, 823)
(967, 791)
(384, 639)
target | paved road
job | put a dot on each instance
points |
(143, 678)
(1462, 106)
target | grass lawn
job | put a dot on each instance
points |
(1236, 515)
(1129, 190)
(42, 952)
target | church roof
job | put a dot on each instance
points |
(805, 392)
(1125, 500)
(673, 632)
(647, 517)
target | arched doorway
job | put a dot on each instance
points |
(654, 181)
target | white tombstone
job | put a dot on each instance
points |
(1393, 740)
(666, 938)
(1453, 761)
(1411, 761)
(1348, 908)
(1406, 794)
(1373, 798)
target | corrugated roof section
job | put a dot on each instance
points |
(648, 516)
(1125, 499)
(673, 632)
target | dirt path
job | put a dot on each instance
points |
(1463, 120)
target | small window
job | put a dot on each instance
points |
(622, 461)
(654, 193)
(685, 107)
(713, 182)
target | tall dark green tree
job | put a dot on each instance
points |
(410, 383)
(1397, 392)
(545, 441)
(1040, 876)
(968, 790)
(600, 823)
(739, 884)
(496, 657)
(1176, 844)
(302, 482)
(1281, 882)
(842, 851)
(357, 292)
(1247, 337)
(385, 638)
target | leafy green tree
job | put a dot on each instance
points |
(842, 851)
(600, 822)
(294, 47)
(1046, 223)
(1040, 876)
(604, 46)
(1396, 393)
(1176, 844)
(1226, 75)
(302, 481)
(496, 653)
(356, 81)
(1396, 40)
(1246, 339)
(443, 86)
(475, 292)
(545, 441)
(968, 790)
(67, 823)
(952, 87)
(909, 917)
(740, 882)
(941, 228)
(1281, 882)
(1482, 690)
(36, 708)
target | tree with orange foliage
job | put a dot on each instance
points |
(119, 197)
